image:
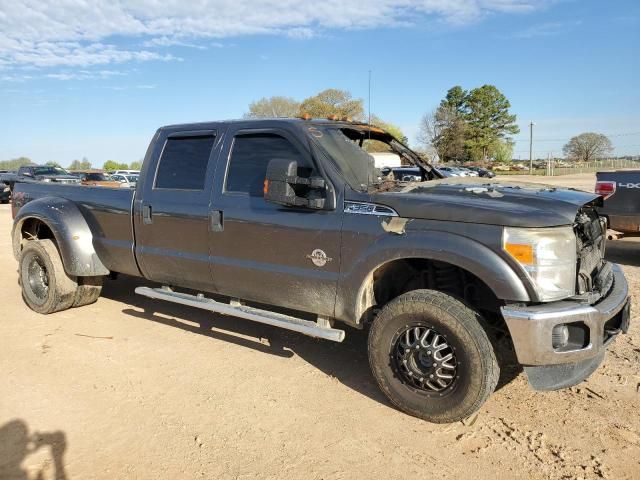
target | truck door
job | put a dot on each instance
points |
(263, 252)
(171, 218)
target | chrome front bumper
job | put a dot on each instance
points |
(531, 326)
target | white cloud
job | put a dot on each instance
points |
(548, 29)
(72, 33)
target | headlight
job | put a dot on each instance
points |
(6, 189)
(548, 256)
(46, 179)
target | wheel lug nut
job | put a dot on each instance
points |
(428, 352)
(431, 376)
(435, 364)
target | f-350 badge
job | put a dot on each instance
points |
(319, 258)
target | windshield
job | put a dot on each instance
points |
(132, 178)
(49, 171)
(354, 149)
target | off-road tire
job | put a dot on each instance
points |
(46, 287)
(88, 291)
(476, 371)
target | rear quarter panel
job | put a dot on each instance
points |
(107, 212)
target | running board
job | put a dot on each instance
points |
(306, 327)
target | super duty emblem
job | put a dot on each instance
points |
(319, 258)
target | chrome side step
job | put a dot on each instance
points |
(236, 309)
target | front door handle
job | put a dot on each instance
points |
(147, 216)
(216, 221)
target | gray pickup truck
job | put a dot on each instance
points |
(621, 193)
(288, 223)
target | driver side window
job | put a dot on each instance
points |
(250, 156)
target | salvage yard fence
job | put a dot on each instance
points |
(587, 167)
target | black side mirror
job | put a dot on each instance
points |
(282, 185)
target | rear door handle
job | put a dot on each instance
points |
(147, 215)
(216, 221)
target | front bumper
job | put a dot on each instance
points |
(531, 326)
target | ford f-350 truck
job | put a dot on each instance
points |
(287, 222)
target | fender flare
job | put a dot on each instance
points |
(70, 229)
(355, 290)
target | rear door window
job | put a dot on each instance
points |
(183, 163)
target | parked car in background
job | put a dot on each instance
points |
(127, 172)
(406, 174)
(5, 193)
(621, 193)
(46, 173)
(452, 171)
(126, 181)
(468, 171)
(482, 172)
(96, 178)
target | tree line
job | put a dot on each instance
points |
(84, 164)
(467, 126)
(331, 102)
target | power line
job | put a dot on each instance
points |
(523, 139)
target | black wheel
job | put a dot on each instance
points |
(431, 357)
(88, 291)
(46, 288)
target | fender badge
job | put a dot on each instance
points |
(319, 258)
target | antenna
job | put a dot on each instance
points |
(369, 105)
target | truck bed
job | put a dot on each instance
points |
(623, 207)
(106, 210)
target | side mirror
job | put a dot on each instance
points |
(282, 185)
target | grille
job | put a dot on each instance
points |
(593, 276)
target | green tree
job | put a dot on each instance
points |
(135, 165)
(588, 147)
(83, 164)
(51, 163)
(333, 102)
(15, 163)
(486, 111)
(375, 146)
(502, 151)
(111, 165)
(273, 107)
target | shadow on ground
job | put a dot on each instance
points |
(346, 361)
(624, 252)
(16, 444)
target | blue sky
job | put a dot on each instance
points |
(96, 79)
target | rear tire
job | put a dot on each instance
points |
(46, 287)
(88, 291)
(431, 357)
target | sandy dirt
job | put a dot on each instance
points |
(132, 388)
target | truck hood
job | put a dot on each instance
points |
(493, 202)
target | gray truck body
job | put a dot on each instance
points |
(622, 208)
(343, 261)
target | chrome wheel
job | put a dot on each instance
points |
(424, 360)
(38, 278)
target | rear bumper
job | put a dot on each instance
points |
(624, 223)
(531, 327)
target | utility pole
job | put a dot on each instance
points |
(531, 148)
(369, 104)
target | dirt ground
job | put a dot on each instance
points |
(132, 388)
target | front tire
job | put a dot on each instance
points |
(431, 357)
(46, 287)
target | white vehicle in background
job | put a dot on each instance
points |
(453, 172)
(127, 172)
(386, 159)
(126, 181)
